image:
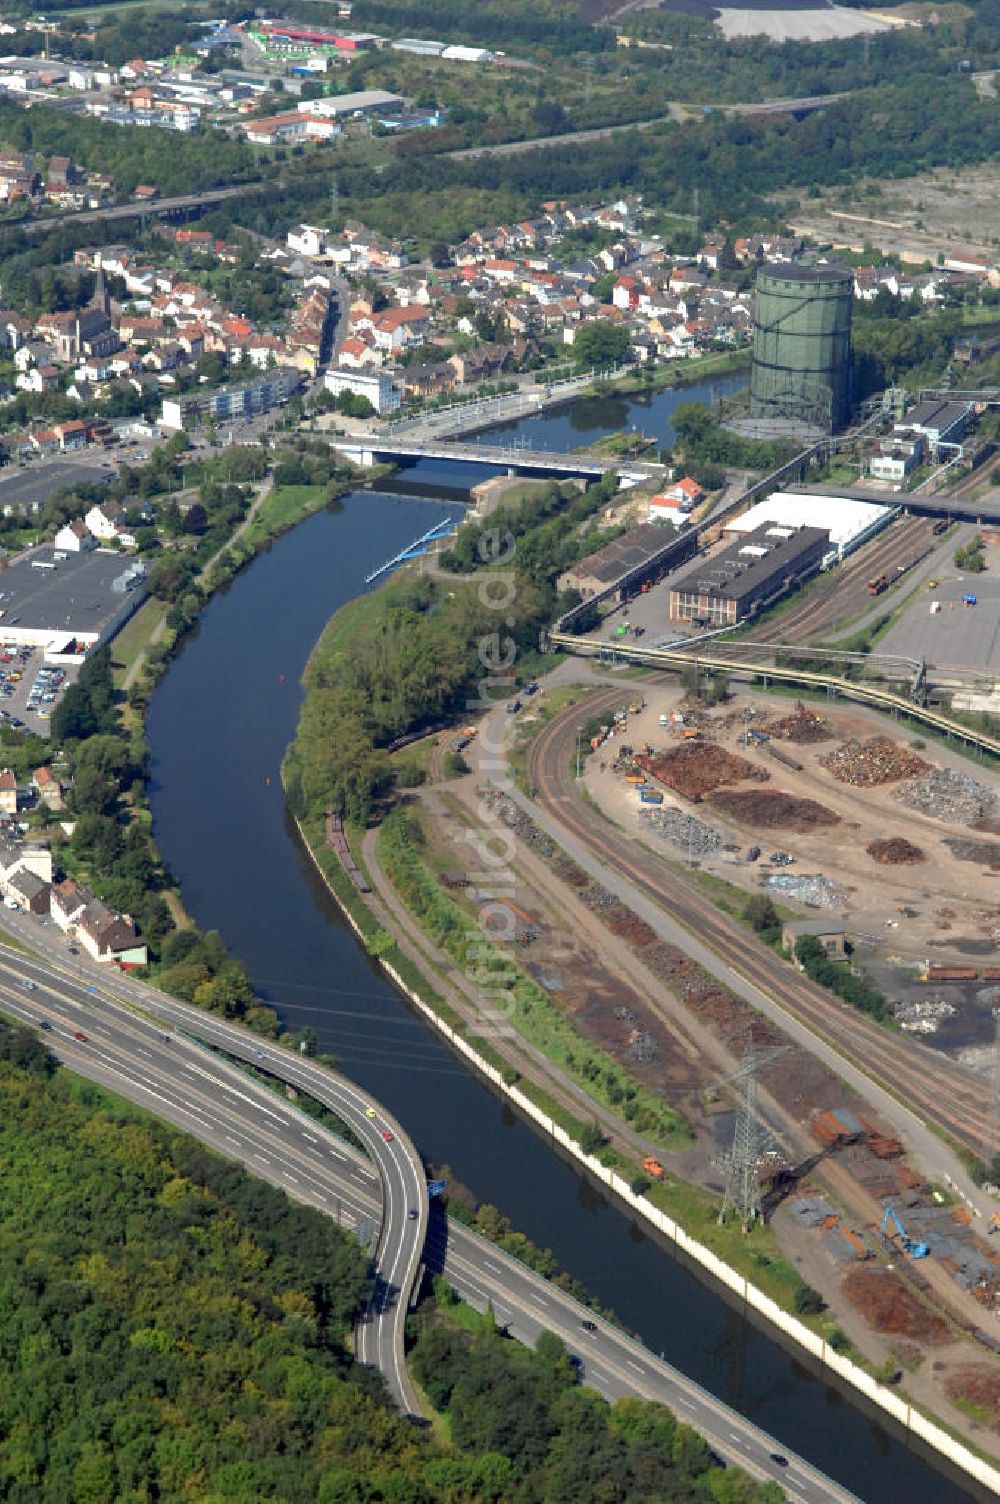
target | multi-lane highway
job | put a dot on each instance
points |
(145, 1046)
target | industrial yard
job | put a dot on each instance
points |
(900, 844)
(851, 826)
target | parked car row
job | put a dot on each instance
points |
(12, 662)
(43, 692)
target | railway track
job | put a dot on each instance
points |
(844, 592)
(930, 1085)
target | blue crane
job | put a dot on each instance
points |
(915, 1250)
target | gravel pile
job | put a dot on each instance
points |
(683, 830)
(954, 797)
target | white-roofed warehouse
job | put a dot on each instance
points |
(848, 521)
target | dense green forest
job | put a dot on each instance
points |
(174, 161)
(172, 1328)
(389, 664)
(543, 1437)
(175, 1330)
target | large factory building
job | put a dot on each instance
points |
(723, 588)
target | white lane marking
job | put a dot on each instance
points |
(144, 1053)
(309, 1137)
(495, 1267)
(262, 1157)
(634, 1366)
(292, 1178)
(231, 1140)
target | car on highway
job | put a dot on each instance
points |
(29, 984)
(78, 1034)
(779, 1459)
(369, 1112)
(74, 950)
(413, 1214)
(389, 1137)
(589, 1326)
(46, 1026)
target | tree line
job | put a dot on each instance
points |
(535, 1436)
(420, 657)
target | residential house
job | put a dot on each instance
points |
(48, 788)
(38, 379)
(67, 902)
(30, 890)
(8, 792)
(74, 538)
(397, 329)
(72, 434)
(107, 936)
(107, 523)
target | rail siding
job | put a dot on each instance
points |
(337, 842)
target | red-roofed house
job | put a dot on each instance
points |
(680, 497)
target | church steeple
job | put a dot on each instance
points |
(100, 298)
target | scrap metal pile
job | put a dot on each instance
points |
(686, 831)
(895, 851)
(870, 763)
(953, 797)
(695, 769)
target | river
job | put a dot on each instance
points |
(218, 727)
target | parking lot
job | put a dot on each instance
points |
(30, 689)
(957, 636)
(32, 483)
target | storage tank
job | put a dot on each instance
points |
(802, 344)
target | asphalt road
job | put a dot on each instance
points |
(175, 1077)
(32, 224)
(676, 112)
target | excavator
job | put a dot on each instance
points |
(915, 1250)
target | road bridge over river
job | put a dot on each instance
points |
(517, 459)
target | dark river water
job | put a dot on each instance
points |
(218, 728)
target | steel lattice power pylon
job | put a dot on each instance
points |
(750, 1139)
